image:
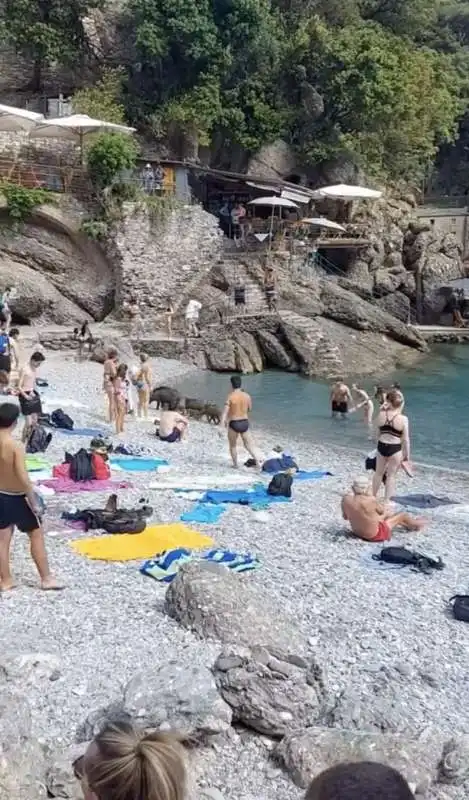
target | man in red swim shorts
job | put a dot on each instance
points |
(367, 517)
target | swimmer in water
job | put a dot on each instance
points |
(364, 401)
(340, 399)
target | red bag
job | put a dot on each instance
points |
(101, 469)
(61, 471)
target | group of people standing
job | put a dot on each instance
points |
(118, 382)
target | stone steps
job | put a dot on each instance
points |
(325, 357)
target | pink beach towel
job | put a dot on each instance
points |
(62, 485)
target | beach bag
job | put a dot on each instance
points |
(125, 522)
(101, 470)
(460, 606)
(81, 468)
(61, 471)
(273, 465)
(280, 485)
(409, 558)
(38, 440)
(4, 344)
(61, 420)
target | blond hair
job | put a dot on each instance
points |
(395, 398)
(128, 764)
(361, 485)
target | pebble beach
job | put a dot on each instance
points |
(393, 656)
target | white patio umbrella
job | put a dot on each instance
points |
(322, 222)
(18, 119)
(343, 191)
(75, 127)
(274, 202)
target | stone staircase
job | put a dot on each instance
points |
(322, 358)
(235, 272)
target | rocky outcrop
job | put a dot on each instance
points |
(274, 352)
(269, 691)
(59, 274)
(275, 160)
(217, 604)
(306, 753)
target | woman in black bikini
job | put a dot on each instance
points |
(393, 443)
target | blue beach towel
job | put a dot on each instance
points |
(92, 432)
(138, 464)
(258, 497)
(203, 513)
(164, 568)
(315, 474)
(234, 561)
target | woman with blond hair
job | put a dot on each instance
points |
(143, 381)
(123, 763)
(393, 448)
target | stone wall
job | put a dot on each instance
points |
(164, 257)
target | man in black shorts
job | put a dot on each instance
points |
(18, 504)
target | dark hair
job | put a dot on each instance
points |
(363, 780)
(236, 381)
(173, 405)
(9, 413)
(83, 328)
(4, 378)
(38, 357)
(14, 332)
(121, 371)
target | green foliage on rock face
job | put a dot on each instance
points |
(21, 202)
(381, 81)
(47, 32)
(102, 101)
(108, 156)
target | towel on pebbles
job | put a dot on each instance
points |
(131, 546)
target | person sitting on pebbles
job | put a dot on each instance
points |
(173, 427)
(367, 517)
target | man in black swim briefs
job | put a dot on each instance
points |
(340, 399)
(236, 418)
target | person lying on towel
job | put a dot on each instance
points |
(173, 427)
(368, 518)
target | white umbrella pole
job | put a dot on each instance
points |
(271, 227)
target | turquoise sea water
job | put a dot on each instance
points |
(437, 403)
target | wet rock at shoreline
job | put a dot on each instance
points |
(269, 691)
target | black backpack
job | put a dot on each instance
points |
(280, 485)
(460, 606)
(409, 558)
(60, 419)
(38, 440)
(81, 466)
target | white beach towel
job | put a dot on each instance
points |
(205, 481)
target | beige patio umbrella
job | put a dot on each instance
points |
(323, 222)
(18, 119)
(75, 128)
(274, 202)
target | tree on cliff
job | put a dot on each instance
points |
(47, 32)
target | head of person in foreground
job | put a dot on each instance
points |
(9, 413)
(124, 763)
(361, 485)
(395, 399)
(363, 780)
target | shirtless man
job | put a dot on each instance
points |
(340, 399)
(367, 517)
(173, 426)
(27, 394)
(364, 401)
(235, 417)
(18, 504)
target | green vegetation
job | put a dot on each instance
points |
(22, 201)
(47, 32)
(382, 83)
(108, 156)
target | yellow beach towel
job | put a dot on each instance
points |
(132, 546)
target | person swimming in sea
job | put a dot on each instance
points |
(341, 399)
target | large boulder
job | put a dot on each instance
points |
(386, 282)
(122, 344)
(65, 264)
(269, 691)
(182, 697)
(274, 352)
(217, 604)
(307, 753)
(275, 160)
(221, 355)
(249, 345)
(454, 764)
(396, 304)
